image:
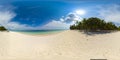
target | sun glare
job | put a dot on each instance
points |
(80, 12)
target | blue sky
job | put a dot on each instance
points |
(54, 14)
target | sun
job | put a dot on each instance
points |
(80, 12)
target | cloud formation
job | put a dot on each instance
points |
(7, 15)
(110, 13)
(72, 16)
(5, 20)
(64, 22)
(55, 25)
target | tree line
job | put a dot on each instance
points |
(94, 24)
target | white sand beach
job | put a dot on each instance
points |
(67, 45)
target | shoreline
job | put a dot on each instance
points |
(39, 33)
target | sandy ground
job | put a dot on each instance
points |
(67, 45)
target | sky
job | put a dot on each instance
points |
(55, 14)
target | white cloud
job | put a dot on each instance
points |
(56, 25)
(64, 22)
(5, 20)
(110, 13)
(7, 15)
(71, 18)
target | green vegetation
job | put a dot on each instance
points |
(2, 28)
(94, 24)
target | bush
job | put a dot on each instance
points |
(94, 24)
(2, 28)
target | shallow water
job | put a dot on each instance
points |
(39, 32)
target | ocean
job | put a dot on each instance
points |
(38, 32)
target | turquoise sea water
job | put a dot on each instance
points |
(39, 32)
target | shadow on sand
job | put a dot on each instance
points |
(98, 32)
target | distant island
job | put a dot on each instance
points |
(94, 24)
(2, 28)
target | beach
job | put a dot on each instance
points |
(66, 45)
